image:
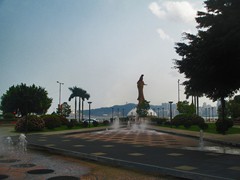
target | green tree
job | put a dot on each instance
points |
(183, 107)
(81, 94)
(25, 99)
(212, 55)
(233, 107)
(65, 109)
(142, 108)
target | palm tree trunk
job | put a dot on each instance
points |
(82, 108)
(79, 109)
(75, 107)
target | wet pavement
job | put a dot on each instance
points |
(147, 151)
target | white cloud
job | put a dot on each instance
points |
(163, 35)
(156, 10)
(180, 11)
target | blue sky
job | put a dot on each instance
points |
(102, 46)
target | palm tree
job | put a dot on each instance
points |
(81, 94)
(74, 91)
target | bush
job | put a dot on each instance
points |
(203, 126)
(188, 120)
(64, 120)
(85, 124)
(222, 126)
(95, 123)
(52, 121)
(105, 122)
(187, 123)
(159, 121)
(180, 119)
(32, 123)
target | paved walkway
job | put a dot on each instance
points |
(149, 151)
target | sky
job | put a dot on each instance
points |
(101, 46)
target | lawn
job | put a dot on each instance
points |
(211, 129)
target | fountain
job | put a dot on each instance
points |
(116, 123)
(22, 144)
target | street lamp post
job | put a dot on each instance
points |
(59, 105)
(89, 113)
(163, 112)
(170, 103)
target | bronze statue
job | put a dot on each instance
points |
(140, 85)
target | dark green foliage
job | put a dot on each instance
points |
(222, 126)
(82, 95)
(95, 123)
(31, 123)
(25, 99)
(180, 119)
(188, 120)
(187, 123)
(183, 107)
(9, 116)
(212, 55)
(85, 124)
(203, 126)
(159, 121)
(63, 119)
(105, 122)
(64, 109)
(142, 108)
(233, 107)
(52, 121)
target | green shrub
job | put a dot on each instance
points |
(222, 126)
(187, 123)
(203, 126)
(70, 124)
(63, 119)
(85, 124)
(52, 121)
(187, 120)
(32, 123)
(180, 119)
(159, 121)
(95, 123)
(105, 122)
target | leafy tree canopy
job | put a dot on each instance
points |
(25, 99)
(233, 107)
(184, 107)
(212, 56)
(65, 109)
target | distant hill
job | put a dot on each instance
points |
(116, 109)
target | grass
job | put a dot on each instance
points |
(211, 129)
